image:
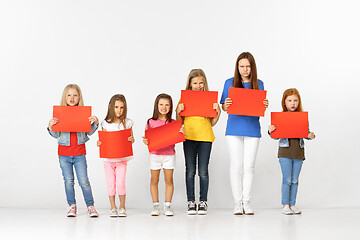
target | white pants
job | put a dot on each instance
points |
(242, 152)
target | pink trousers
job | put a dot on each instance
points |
(115, 173)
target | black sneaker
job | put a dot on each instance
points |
(202, 208)
(191, 208)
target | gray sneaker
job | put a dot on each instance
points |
(191, 210)
(202, 210)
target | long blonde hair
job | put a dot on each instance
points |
(65, 92)
(289, 92)
(196, 73)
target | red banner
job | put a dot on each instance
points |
(199, 103)
(72, 118)
(115, 144)
(290, 124)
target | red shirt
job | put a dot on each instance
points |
(74, 149)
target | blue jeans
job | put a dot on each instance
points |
(79, 162)
(290, 169)
(201, 151)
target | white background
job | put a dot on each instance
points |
(143, 48)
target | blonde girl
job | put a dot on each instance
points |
(242, 134)
(163, 158)
(71, 151)
(115, 169)
(197, 147)
(291, 155)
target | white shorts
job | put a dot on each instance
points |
(157, 162)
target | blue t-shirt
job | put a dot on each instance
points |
(240, 125)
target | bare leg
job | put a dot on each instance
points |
(122, 200)
(112, 202)
(169, 184)
(154, 190)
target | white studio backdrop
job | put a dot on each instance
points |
(143, 48)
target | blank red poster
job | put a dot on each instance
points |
(249, 102)
(72, 118)
(290, 124)
(199, 103)
(115, 144)
(164, 136)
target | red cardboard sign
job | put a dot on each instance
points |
(199, 103)
(290, 124)
(115, 144)
(72, 118)
(248, 102)
(164, 136)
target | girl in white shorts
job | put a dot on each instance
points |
(162, 158)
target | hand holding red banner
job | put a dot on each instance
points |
(164, 136)
(115, 144)
(248, 102)
(199, 103)
(72, 119)
(290, 124)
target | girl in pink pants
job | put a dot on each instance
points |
(115, 168)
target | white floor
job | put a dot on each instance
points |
(218, 224)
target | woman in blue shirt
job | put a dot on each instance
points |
(243, 134)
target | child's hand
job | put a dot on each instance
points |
(145, 140)
(180, 108)
(52, 122)
(311, 135)
(94, 119)
(217, 108)
(182, 130)
(131, 139)
(271, 128)
(98, 143)
(228, 103)
(266, 103)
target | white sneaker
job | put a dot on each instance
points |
(247, 209)
(72, 211)
(167, 209)
(295, 210)
(114, 212)
(156, 209)
(122, 212)
(238, 209)
(287, 211)
(92, 211)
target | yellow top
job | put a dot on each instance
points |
(198, 129)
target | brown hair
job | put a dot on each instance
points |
(156, 107)
(110, 116)
(196, 73)
(65, 92)
(254, 84)
(289, 92)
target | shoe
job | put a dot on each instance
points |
(72, 211)
(167, 209)
(202, 208)
(92, 211)
(122, 212)
(287, 211)
(295, 210)
(114, 213)
(238, 208)
(191, 208)
(247, 209)
(156, 209)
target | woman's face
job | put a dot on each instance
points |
(244, 68)
(72, 97)
(292, 103)
(197, 83)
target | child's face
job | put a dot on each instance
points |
(72, 97)
(292, 103)
(244, 68)
(164, 106)
(119, 108)
(197, 84)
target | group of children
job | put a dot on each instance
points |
(242, 133)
